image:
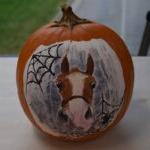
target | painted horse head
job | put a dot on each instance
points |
(76, 90)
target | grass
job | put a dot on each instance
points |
(19, 18)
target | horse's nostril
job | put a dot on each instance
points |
(88, 113)
(62, 116)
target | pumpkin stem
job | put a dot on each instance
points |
(69, 18)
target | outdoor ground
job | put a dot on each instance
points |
(19, 18)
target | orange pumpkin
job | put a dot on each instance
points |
(74, 78)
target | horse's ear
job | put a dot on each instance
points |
(65, 65)
(90, 65)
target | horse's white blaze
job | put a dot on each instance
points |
(77, 109)
(77, 82)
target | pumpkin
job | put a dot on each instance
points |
(74, 78)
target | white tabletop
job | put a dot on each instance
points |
(132, 133)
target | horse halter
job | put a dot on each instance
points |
(65, 101)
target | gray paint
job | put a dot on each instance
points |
(109, 84)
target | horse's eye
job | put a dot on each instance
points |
(59, 85)
(93, 84)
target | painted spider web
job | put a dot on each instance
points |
(108, 110)
(40, 64)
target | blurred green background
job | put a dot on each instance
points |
(19, 18)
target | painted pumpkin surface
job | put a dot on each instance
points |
(74, 78)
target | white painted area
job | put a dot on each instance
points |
(77, 82)
(44, 127)
(113, 66)
(100, 51)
